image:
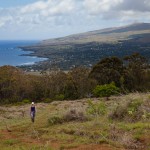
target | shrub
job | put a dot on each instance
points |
(74, 115)
(48, 100)
(119, 112)
(71, 115)
(134, 105)
(130, 111)
(55, 120)
(60, 97)
(26, 101)
(96, 109)
(106, 90)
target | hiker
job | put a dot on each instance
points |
(32, 112)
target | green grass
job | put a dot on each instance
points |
(68, 135)
(134, 126)
(11, 142)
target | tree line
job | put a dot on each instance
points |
(129, 74)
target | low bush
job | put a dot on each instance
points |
(96, 109)
(131, 111)
(55, 120)
(60, 97)
(71, 115)
(74, 115)
(48, 100)
(106, 90)
(26, 101)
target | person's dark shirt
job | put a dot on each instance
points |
(33, 108)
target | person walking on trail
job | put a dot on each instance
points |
(32, 111)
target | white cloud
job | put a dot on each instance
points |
(69, 16)
(37, 6)
(49, 7)
(94, 7)
(37, 12)
(5, 20)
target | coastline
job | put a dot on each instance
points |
(12, 52)
(37, 65)
(32, 53)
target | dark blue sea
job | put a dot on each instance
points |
(10, 54)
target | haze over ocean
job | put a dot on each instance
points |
(10, 54)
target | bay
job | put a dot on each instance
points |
(10, 53)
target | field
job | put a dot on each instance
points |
(120, 123)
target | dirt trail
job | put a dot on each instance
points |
(54, 144)
(95, 147)
(28, 140)
(10, 135)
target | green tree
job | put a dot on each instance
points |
(54, 83)
(71, 91)
(13, 84)
(80, 77)
(136, 71)
(108, 70)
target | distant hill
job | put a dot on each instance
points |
(103, 35)
(134, 27)
(88, 48)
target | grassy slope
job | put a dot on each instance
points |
(65, 42)
(98, 133)
(112, 35)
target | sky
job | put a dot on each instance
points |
(45, 19)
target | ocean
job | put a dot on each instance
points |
(10, 53)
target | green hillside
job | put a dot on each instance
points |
(88, 48)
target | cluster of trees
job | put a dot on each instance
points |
(17, 86)
(130, 74)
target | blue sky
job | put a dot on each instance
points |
(44, 19)
(14, 3)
